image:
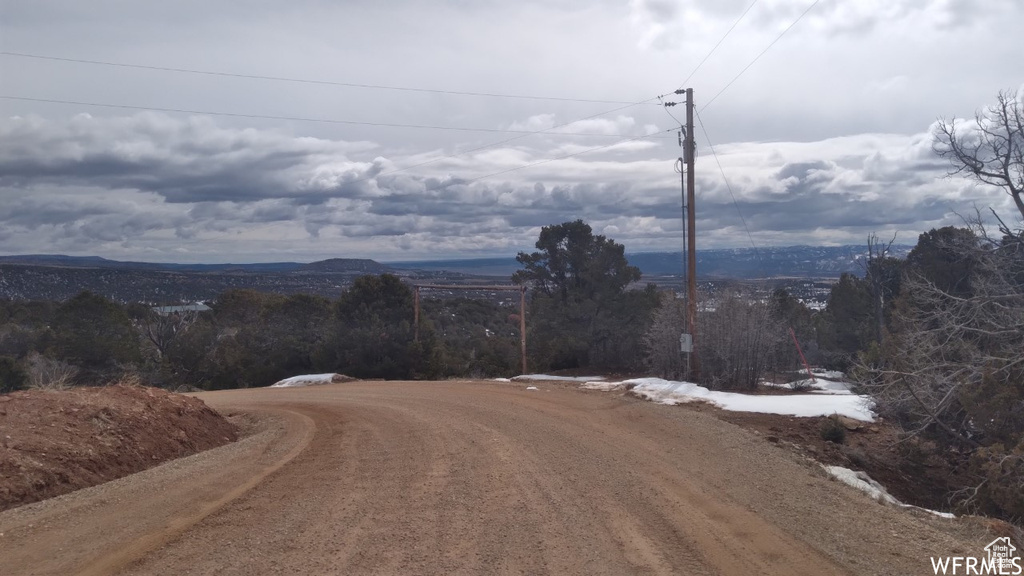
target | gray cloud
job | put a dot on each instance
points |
(182, 161)
(825, 139)
(147, 180)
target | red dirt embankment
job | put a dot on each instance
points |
(44, 451)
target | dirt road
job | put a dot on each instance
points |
(474, 478)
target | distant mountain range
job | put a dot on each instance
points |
(332, 265)
(742, 263)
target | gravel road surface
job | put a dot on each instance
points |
(475, 478)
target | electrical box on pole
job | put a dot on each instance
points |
(685, 343)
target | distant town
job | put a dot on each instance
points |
(807, 272)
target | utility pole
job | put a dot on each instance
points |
(684, 165)
(522, 325)
(689, 156)
(416, 314)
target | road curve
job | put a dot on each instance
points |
(473, 478)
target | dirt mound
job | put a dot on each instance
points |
(54, 442)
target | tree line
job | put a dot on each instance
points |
(250, 338)
(581, 315)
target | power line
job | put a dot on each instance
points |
(715, 47)
(306, 80)
(727, 185)
(523, 133)
(758, 57)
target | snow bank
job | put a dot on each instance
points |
(861, 481)
(805, 405)
(309, 380)
(549, 378)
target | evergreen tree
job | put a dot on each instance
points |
(945, 258)
(95, 334)
(581, 313)
(846, 327)
(374, 333)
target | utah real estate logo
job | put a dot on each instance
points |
(1001, 559)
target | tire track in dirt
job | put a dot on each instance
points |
(472, 477)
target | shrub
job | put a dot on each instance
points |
(12, 376)
(49, 374)
(832, 430)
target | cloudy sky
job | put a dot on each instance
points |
(408, 130)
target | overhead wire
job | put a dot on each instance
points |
(727, 185)
(758, 57)
(305, 80)
(719, 43)
(523, 133)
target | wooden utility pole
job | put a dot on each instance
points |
(689, 156)
(416, 314)
(522, 325)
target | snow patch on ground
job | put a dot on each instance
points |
(861, 481)
(815, 386)
(603, 386)
(824, 382)
(501, 379)
(804, 405)
(549, 378)
(828, 374)
(532, 388)
(305, 380)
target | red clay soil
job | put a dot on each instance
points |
(55, 442)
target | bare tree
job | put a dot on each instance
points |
(950, 345)
(162, 329)
(990, 148)
(739, 341)
(882, 272)
(661, 341)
